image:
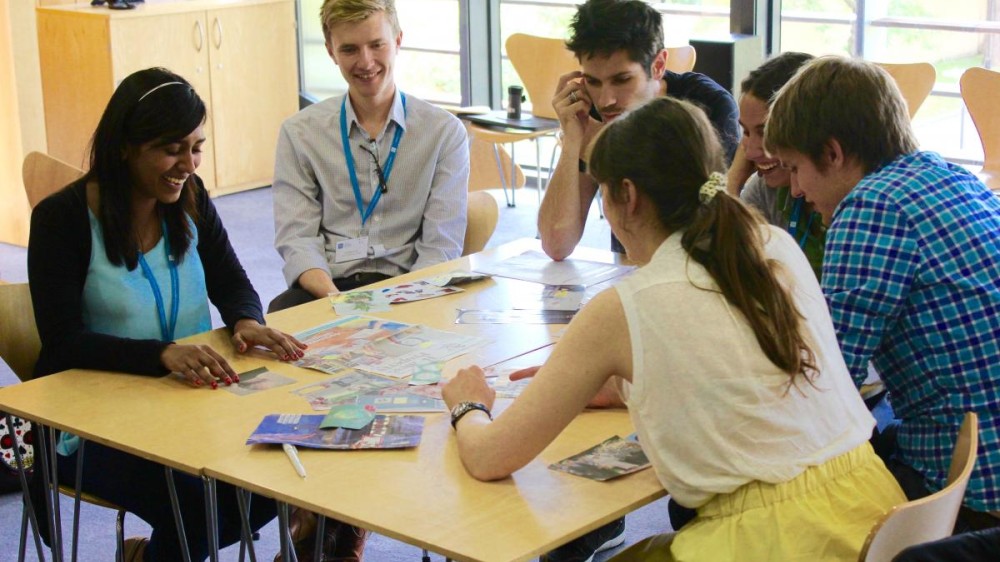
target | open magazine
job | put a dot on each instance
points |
(302, 430)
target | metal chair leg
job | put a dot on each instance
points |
(28, 509)
(503, 180)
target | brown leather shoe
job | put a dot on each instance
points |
(135, 549)
(302, 528)
(344, 543)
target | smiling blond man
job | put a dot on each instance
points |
(370, 184)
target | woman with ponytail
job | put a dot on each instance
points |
(723, 351)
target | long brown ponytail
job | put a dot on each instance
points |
(669, 150)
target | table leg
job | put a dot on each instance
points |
(51, 482)
(320, 537)
(175, 504)
(211, 518)
(283, 537)
(29, 514)
(243, 499)
(76, 501)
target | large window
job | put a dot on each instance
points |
(952, 36)
(428, 66)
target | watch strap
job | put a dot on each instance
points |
(462, 408)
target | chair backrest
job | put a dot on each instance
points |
(19, 343)
(681, 59)
(484, 171)
(44, 175)
(539, 62)
(930, 518)
(915, 81)
(483, 216)
(979, 91)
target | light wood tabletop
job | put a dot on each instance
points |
(422, 496)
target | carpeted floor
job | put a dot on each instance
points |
(249, 220)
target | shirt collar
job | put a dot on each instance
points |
(397, 114)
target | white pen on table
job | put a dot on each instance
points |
(293, 455)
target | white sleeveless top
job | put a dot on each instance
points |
(711, 410)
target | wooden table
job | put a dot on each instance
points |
(422, 496)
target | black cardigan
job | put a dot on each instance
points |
(59, 251)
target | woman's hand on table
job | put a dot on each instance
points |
(248, 333)
(199, 365)
(469, 385)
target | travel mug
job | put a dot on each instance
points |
(515, 95)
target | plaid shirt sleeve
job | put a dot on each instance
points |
(870, 264)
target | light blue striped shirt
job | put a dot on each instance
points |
(420, 220)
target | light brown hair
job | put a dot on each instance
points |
(668, 149)
(850, 100)
(344, 11)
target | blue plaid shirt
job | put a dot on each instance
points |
(912, 275)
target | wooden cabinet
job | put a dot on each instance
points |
(240, 56)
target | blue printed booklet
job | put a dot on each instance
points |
(302, 430)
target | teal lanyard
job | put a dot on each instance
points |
(793, 221)
(345, 139)
(167, 331)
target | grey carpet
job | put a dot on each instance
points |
(249, 220)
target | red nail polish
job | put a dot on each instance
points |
(197, 382)
(236, 379)
(229, 380)
(215, 385)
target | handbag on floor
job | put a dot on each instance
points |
(21, 435)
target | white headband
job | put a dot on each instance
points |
(158, 87)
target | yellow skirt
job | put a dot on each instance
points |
(825, 513)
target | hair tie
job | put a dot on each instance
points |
(716, 182)
(157, 88)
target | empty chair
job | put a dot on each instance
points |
(482, 221)
(43, 175)
(915, 81)
(930, 518)
(681, 59)
(539, 62)
(979, 91)
(490, 165)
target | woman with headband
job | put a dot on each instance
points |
(122, 263)
(723, 351)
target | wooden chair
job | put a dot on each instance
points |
(915, 81)
(681, 59)
(930, 518)
(43, 175)
(979, 91)
(539, 62)
(19, 348)
(482, 221)
(490, 165)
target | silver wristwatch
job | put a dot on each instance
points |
(463, 408)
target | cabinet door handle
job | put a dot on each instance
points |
(218, 33)
(199, 36)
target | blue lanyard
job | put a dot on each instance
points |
(796, 216)
(387, 169)
(166, 331)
